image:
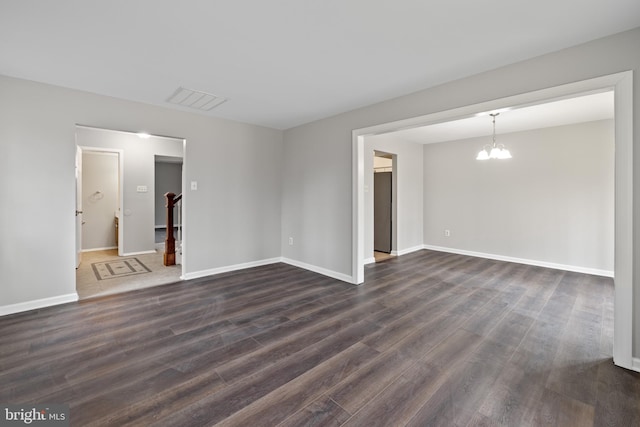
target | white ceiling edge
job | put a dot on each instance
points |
(580, 109)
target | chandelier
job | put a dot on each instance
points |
(493, 151)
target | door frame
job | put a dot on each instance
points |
(185, 196)
(79, 211)
(120, 154)
(395, 219)
(622, 86)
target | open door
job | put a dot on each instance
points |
(78, 206)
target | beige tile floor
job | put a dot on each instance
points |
(88, 285)
(382, 256)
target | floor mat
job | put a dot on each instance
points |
(119, 268)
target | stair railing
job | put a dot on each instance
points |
(170, 241)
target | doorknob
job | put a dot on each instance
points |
(78, 212)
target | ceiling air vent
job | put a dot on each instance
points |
(195, 99)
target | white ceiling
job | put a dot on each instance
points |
(586, 108)
(282, 63)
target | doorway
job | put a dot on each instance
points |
(122, 255)
(622, 84)
(100, 196)
(168, 179)
(382, 205)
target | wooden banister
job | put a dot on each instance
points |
(170, 241)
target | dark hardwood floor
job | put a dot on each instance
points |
(430, 339)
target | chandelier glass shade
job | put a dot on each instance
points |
(493, 151)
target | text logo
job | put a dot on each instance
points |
(34, 415)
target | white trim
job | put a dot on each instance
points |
(556, 266)
(396, 253)
(38, 303)
(164, 226)
(183, 218)
(106, 248)
(228, 268)
(235, 267)
(409, 250)
(635, 366)
(357, 209)
(140, 253)
(319, 270)
(623, 316)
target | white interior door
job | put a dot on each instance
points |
(78, 206)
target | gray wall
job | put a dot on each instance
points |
(317, 205)
(137, 213)
(233, 217)
(99, 199)
(555, 208)
(168, 179)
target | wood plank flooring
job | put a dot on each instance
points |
(430, 339)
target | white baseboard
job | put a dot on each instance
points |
(396, 253)
(38, 303)
(99, 249)
(635, 364)
(139, 253)
(242, 266)
(228, 268)
(319, 270)
(574, 268)
(410, 250)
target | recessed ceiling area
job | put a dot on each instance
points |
(580, 109)
(284, 63)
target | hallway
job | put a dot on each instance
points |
(104, 273)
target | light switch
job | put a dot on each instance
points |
(142, 189)
(194, 185)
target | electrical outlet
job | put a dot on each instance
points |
(290, 241)
(447, 233)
